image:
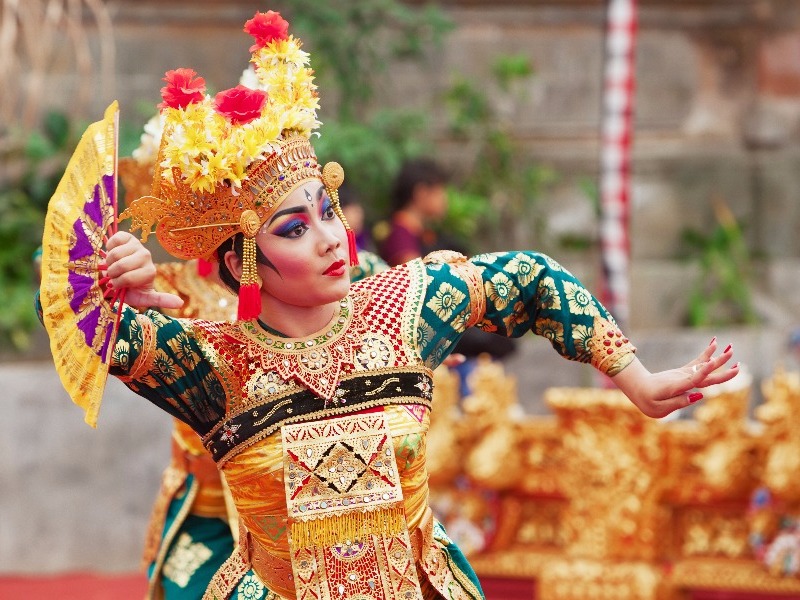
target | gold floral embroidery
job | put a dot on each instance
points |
(580, 300)
(500, 289)
(518, 316)
(525, 268)
(553, 264)
(425, 333)
(250, 588)
(547, 294)
(462, 320)
(552, 330)
(582, 336)
(165, 367)
(487, 258)
(445, 301)
(181, 346)
(121, 356)
(186, 557)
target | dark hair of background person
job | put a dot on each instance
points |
(348, 196)
(414, 172)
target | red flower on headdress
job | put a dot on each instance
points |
(182, 89)
(240, 104)
(266, 27)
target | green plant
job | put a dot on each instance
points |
(498, 171)
(721, 294)
(353, 44)
(34, 166)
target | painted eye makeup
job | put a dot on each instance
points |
(292, 228)
(326, 209)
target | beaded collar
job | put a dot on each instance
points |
(315, 361)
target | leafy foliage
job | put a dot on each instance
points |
(503, 185)
(721, 294)
(34, 168)
(353, 44)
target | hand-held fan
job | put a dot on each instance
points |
(80, 321)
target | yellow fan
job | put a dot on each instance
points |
(81, 214)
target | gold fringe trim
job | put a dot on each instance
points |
(354, 525)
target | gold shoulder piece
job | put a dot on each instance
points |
(439, 257)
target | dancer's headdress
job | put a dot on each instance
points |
(225, 164)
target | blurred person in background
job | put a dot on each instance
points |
(418, 204)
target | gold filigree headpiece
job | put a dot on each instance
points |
(225, 165)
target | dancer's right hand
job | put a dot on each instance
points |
(130, 266)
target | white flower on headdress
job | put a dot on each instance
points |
(150, 141)
(249, 79)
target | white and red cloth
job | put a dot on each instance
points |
(615, 156)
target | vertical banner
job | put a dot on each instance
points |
(616, 131)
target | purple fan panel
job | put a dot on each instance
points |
(93, 209)
(88, 326)
(81, 284)
(108, 184)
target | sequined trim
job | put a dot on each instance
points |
(414, 301)
(228, 576)
(610, 350)
(341, 480)
(248, 556)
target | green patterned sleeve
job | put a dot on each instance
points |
(511, 293)
(158, 357)
(369, 264)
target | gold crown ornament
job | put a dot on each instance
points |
(225, 164)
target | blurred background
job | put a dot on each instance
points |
(508, 96)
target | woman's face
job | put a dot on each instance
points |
(305, 244)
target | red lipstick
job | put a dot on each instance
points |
(336, 269)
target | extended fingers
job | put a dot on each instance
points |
(719, 376)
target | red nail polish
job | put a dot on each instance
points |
(736, 366)
(714, 339)
(728, 348)
(695, 396)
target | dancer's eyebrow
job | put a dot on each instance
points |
(288, 211)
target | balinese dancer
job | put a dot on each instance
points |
(315, 403)
(193, 525)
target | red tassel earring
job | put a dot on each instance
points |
(203, 267)
(250, 282)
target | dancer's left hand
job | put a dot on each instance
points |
(659, 394)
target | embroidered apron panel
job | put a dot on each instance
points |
(349, 537)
